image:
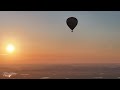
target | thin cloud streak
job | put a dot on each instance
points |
(3, 54)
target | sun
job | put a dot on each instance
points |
(10, 48)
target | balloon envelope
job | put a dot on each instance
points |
(72, 22)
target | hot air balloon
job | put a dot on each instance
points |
(72, 23)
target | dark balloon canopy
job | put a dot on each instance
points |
(72, 22)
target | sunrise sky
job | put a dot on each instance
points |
(44, 37)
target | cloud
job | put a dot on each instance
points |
(8, 74)
(3, 54)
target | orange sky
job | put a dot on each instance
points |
(44, 37)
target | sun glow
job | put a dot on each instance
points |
(10, 48)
